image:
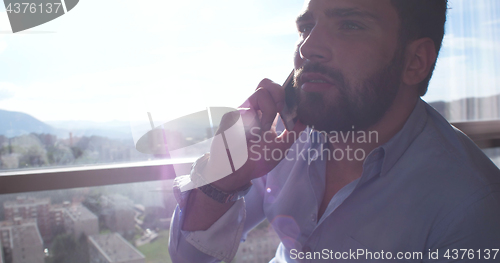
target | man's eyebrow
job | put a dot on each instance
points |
(347, 12)
(304, 16)
(339, 12)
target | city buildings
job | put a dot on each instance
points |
(21, 241)
(111, 248)
(31, 208)
(57, 218)
(260, 245)
(79, 220)
(119, 213)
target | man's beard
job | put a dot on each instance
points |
(357, 107)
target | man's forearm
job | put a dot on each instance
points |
(202, 211)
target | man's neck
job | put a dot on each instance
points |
(342, 171)
(361, 143)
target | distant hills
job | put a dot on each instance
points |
(17, 123)
(112, 129)
(14, 124)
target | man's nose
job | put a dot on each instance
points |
(316, 46)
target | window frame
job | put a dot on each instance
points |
(34, 180)
(486, 134)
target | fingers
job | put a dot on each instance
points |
(276, 91)
(267, 100)
(263, 101)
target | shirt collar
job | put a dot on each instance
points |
(390, 152)
(398, 144)
(316, 138)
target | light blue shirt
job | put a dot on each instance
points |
(426, 193)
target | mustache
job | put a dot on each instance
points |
(314, 67)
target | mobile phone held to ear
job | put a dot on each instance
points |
(289, 112)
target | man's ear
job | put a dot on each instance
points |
(420, 56)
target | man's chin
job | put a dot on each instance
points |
(339, 116)
(324, 122)
(329, 128)
(316, 115)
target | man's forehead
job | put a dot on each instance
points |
(380, 8)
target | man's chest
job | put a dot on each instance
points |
(371, 216)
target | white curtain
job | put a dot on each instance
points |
(466, 83)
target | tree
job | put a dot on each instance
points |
(66, 249)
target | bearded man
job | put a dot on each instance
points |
(422, 187)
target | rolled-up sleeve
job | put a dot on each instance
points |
(219, 242)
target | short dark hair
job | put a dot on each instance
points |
(419, 19)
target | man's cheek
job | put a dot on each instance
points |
(298, 61)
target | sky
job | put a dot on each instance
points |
(116, 60)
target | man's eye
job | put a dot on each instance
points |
(350, 26)
(305, 28)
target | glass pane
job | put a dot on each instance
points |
(71, 87)
(128, 221)
(494, 154)
(466, 83)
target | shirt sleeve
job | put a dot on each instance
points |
(219, 242)
(469, 234)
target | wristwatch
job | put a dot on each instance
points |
(195, 180)
(210, 190)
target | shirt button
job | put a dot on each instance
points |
(313, 218)
(306, 249)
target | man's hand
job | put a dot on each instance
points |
(258, 114)
(259, 118)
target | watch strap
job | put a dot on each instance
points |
(210, 190)
(223, 197)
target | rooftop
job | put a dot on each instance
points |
(22, 201)
(115, 248)
(80, 213)
(117, 201)
(23, 233)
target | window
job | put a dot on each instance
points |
(85, 79)
(465, 85)
(76, 91)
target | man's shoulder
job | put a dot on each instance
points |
(446, 157)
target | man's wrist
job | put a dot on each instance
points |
(225, 190)
(228, 184)
(223, 196)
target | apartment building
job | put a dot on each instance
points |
(79, 220)
(111, 248)
(260, 246)
(119, 213)
(31, 208)
(21, 241)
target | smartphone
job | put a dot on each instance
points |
(289, 113)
